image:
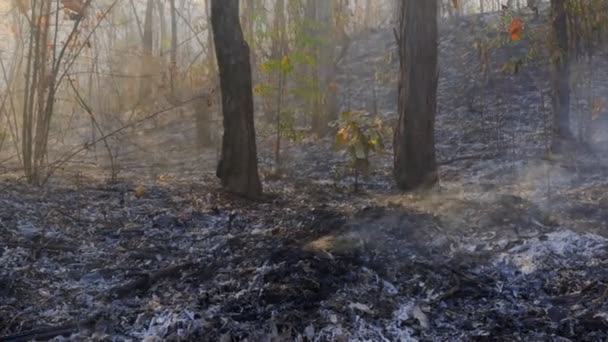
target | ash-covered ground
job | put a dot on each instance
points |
(510, 247)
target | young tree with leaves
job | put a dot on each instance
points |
(414, 140)
(238, 165)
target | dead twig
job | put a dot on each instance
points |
(78, 149)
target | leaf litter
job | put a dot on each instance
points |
(488, 257)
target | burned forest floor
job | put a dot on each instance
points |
(511, 246)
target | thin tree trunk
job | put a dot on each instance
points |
(238, 166)
(137, 20)
(414, 140)
(560, 75)
(204, 117)
(148, 42)
(367, 15)
(325, 67)
(44, 83)
(27, 124)
(173, 70)
(278, 50)
(160, 7)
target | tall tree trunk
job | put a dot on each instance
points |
(560, 75)
(481, 6)
(204, 117)
(325, 30)
(173, 70)
(160, 7)
(277, 51)
(148, 43)
(367, 15)
(238, 166)
(414, 140)
(30, 87)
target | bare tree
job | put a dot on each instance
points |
(414, 140)
(238, 166)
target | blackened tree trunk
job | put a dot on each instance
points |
(238, 165)
(560, 75)
(414, 140)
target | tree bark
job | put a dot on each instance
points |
(248, 27)
(238, 168)
(560, 75)
(414, 140)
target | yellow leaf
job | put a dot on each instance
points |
(140, 191)
(374, 140)
(258, 89)
(266, 67)
(285, 64)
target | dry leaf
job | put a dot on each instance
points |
(343, 135)
(516, 29)
(76, 6)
